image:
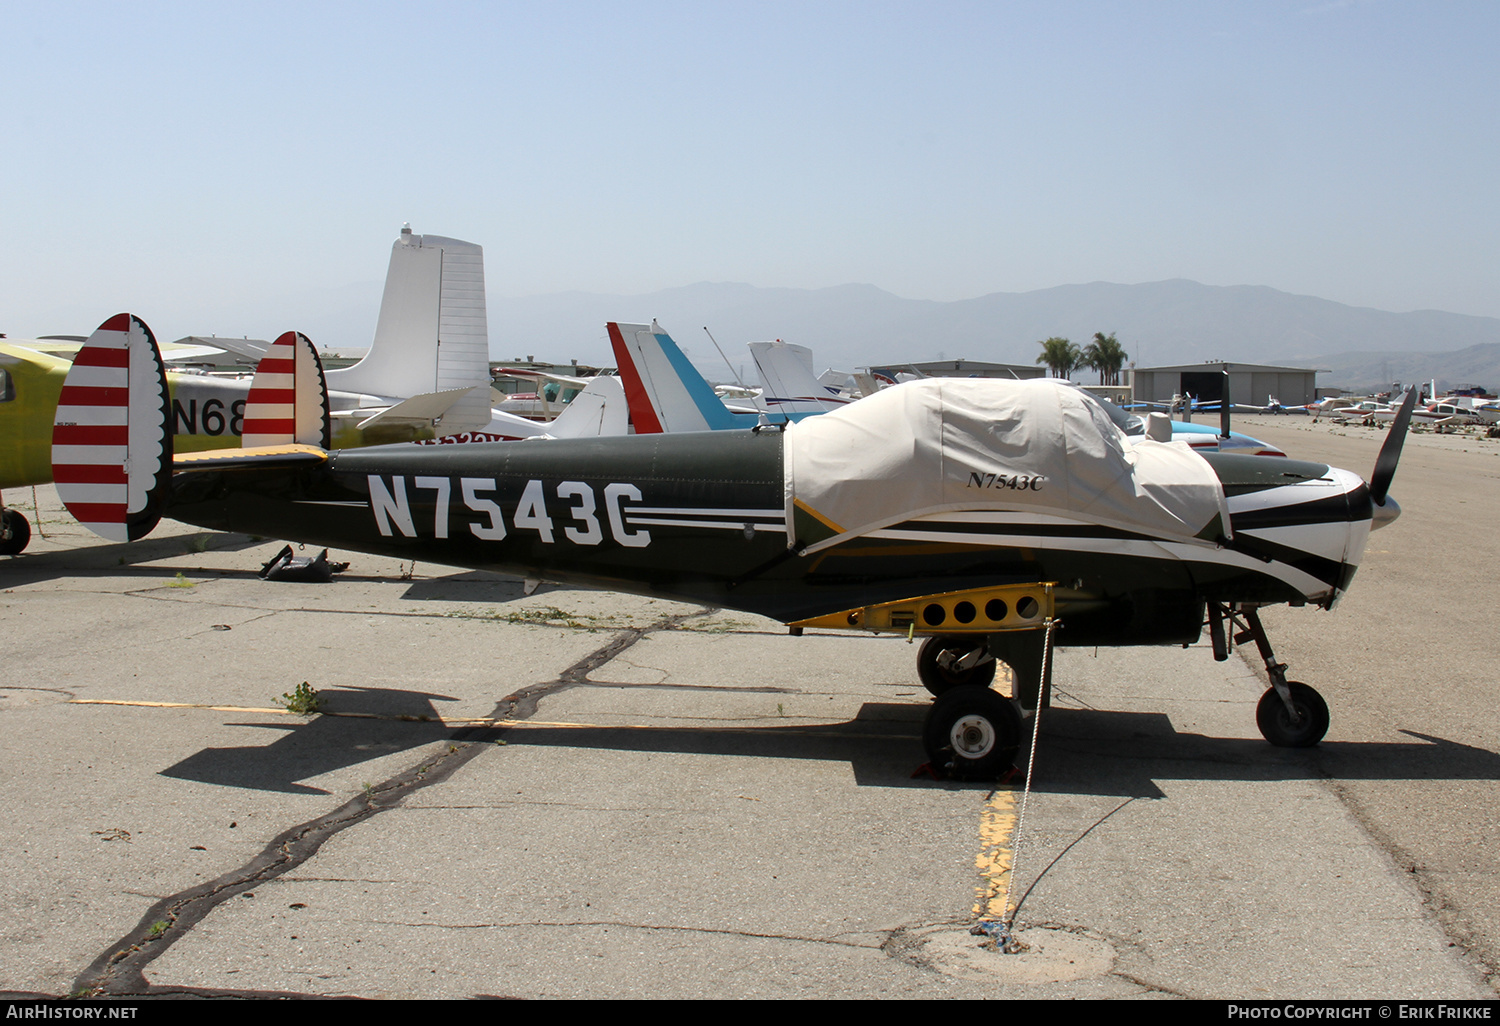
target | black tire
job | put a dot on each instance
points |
(939, 681)
(18, 529)
(972, 733)
(1276, 724)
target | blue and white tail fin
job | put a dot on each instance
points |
(432, 335)
(288, 400)
(111, 435)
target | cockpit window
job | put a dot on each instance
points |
(7, 390)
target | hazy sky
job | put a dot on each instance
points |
(191, 162)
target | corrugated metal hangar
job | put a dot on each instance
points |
(1249, 383)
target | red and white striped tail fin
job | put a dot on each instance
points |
(112, 436)
(288, 401)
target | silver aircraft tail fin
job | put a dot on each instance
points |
(432, 335)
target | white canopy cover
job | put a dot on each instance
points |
(945, 444)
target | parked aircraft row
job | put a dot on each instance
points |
(1442, 414)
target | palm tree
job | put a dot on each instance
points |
(1060, 356)
(1105, 355)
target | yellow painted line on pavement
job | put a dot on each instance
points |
(175, 705)
(997, 828)
(458, 721)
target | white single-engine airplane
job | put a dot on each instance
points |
(981, 514)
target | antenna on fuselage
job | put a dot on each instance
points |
(739, 380)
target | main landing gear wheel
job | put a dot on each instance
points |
(940, 679)
(15, 532)
(1275, 722)
(972, 732)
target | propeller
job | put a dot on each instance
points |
(1390, 452)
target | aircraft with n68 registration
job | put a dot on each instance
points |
(29, 384)
(425, 378)
(993, 518)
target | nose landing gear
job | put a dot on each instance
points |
(1290, 714)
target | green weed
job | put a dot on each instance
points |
(303, 700)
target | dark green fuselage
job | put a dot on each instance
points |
(695, 516)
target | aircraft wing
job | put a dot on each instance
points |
(531, 375)
(210, 345)
(63, 349)
(175, 351)
(252, 348)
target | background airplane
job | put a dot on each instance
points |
(30, 383)
(667, 393)
(425, 377)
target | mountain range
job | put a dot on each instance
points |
(1159, 323)
(847, 326)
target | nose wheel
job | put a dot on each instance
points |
(1300, 721)
(1290, 714)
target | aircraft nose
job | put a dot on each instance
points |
(1384, 514)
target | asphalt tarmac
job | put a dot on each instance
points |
(581, 794)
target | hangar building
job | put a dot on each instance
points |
(1249, 383)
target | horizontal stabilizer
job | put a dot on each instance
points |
(259, 456)
(427, 409)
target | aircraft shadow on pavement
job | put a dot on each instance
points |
(376, 722)
(1094, 752)
(1080, 751)
(471, 586)
(118, 560)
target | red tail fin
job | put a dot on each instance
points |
(111, 436)
(288, 399)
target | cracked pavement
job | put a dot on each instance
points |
(580, 794)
